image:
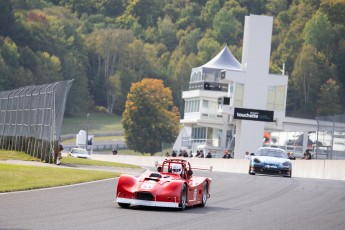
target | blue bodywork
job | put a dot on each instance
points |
(269, 160)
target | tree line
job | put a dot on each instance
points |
(106, 45)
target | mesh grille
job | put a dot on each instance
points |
(144, 196)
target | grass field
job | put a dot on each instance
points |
(102, 138)
(96, 123)
(17, 177)
(24, 177)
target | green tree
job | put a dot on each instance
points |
(127, 19)
(9, 52)
(179, 69)
(107, 49)
(5, 75)
(208, 12)
(254, 6)
(189, 42)
(189, 17)
(318, 32)
(335, 10)
(329, 102)
(149, 118)
(226, 27)
(148, 11)
(167, 33)
(50, 69)
(7, 19)
(79, 99)
(208, 47)
(306, 80)
(277, 6)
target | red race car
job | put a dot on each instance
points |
(173, 186)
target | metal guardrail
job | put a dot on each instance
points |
(101, 147)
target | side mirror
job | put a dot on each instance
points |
(159, 169)
(189, 172)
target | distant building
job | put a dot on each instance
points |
(230, 105)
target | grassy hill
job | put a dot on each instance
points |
(96, 123)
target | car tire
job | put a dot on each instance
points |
(183, 197)
(204, 195)
(250, 173)
(124, 205)
(289, 174)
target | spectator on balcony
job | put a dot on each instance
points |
(227, 155)
(247, 156)
(291, 156)
(307, 155)
(190, 154)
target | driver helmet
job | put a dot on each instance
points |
(176, 168)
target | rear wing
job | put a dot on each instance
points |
(203, 168)
(157, 164)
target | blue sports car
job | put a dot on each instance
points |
(268, 160)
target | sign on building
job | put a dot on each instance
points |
(253, 114)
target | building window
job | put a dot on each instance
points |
(220, 136)
(276, 98)
(238, 97)
(192, 105)
(199, 135)
(205, 104)
(196, 76)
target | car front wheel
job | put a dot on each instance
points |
(251, 172)
(183, 197)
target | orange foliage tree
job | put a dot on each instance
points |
(150, 118)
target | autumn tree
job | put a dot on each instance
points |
(150, 118)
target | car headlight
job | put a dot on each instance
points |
(286, 163)
(256, 160)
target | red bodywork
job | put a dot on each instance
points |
(164, 188)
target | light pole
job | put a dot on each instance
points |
(87, 130)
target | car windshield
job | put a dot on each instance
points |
(271, 153)
(79, 151)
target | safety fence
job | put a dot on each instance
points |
(31, 118)
(330, 136)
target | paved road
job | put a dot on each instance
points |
(238, 201)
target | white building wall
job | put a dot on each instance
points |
(255, 64)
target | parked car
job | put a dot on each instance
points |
(79, 153)
(268, 160)
(173, 186)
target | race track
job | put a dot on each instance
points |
(238, 201)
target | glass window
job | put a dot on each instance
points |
(199, 78)
(276, 98)
(192, 105)
(220, 135)
(199, 133)
(238, 97)
(205, 104)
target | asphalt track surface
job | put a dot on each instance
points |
(238, 201)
